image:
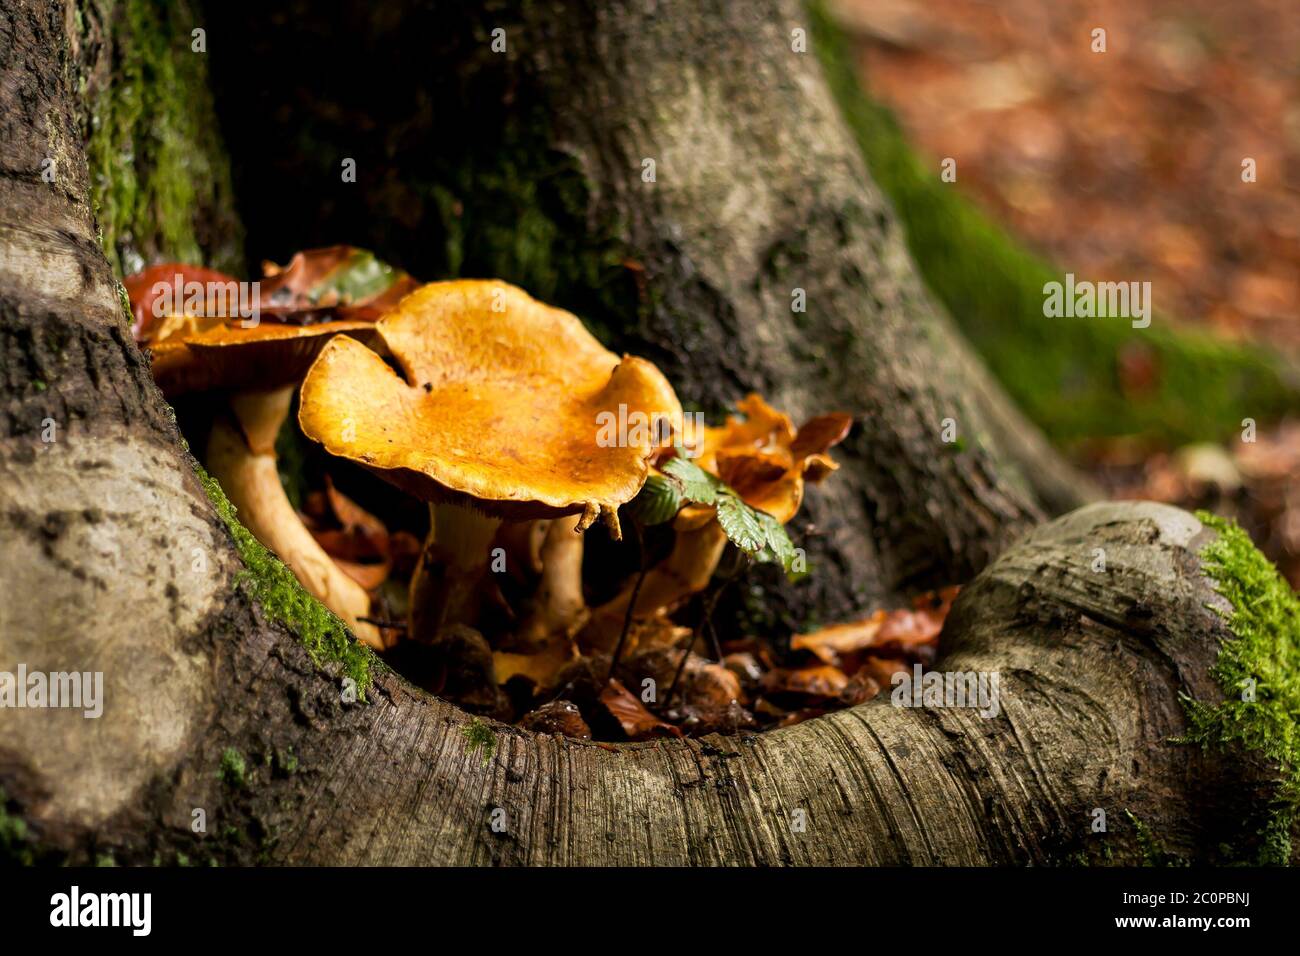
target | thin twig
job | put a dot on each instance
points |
(631, 606)
(710, 601)
(681, 663)
(706, 620)
(713, 632)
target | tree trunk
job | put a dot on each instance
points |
(528, 165)
(223, 685)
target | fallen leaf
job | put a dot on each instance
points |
(822, 680)
(543, 667)
(888, 633)
(745, 666)
(832, 644)
(145, 288)
(708, 686)
(369, 576)
(361, 546)
(726, 720)
(882, 669)
(637, 722)
(351, 516)
(860, 688)
(904, 630)
(337, 282)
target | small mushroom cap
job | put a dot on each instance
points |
(500, 405)
(765, 459)
(229, 356)
(202, 345)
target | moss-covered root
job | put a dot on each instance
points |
(282, 599)
(1064, 373)
(160, 178)
(1259, 672)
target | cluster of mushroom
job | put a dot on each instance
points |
(208, 341)
(483, 403)
(490, 417)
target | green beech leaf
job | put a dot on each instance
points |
(741, 523)
(358, 277)
(345, 275)
(658, 501)
(778, 542)
(697, 484)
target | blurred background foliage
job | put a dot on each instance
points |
(1116, 166)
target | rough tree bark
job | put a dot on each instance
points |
(117, 560)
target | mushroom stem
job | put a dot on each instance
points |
(685, 571)
(243, 462)
(445, 585)
(558, 607)
(523, 542)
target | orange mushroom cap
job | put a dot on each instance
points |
(320, 293)
(765, 458)
(498, 407)
(227, 355)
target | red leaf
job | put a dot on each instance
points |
(637, 722)
(144, 288)
(817, 435)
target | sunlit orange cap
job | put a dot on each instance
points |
(500, 404)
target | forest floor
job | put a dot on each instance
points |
(1127, 165)
(1124, 165)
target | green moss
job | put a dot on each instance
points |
(124, 299)
(15, 847)
(283, 600)
(528, 208)
(479, 737)
(286, 762)
(181, 860)
(475, 184)
(160, 180)
(234, 770)
(1151, 847)
(1263, 657)
(1064, 373)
